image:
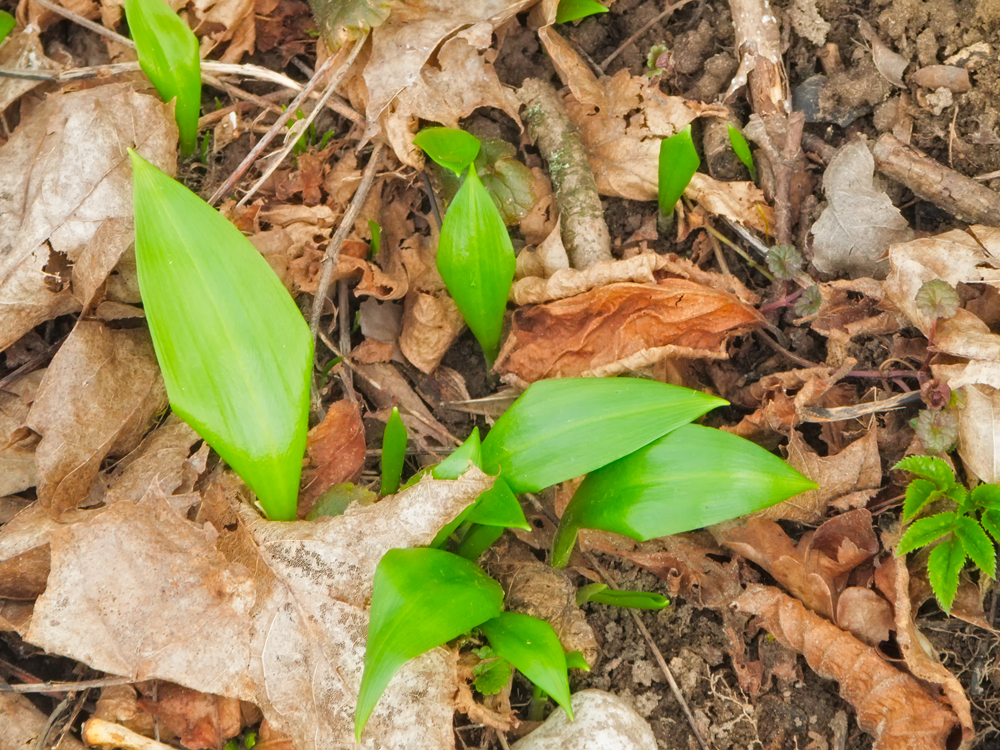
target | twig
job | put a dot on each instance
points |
(328, 64)
(65, 687)
(332, 253)
(624, 45)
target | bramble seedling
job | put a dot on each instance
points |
(742, 150)
(678, 163)
(168, 55)
(964, 529)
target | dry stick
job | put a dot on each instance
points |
(581, 216)
(64, 687)
(960, 196)
(624, 45)
(226, 187)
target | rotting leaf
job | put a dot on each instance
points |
(336, 448)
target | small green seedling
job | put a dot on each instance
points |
(234, 349)
(168, 55)
(376, 241)
(964, 529)
(475, 256)
(492, 673)
(7, 24)
(393, 453)
(573, 10)
(678, 163)
(599, 593)
(742, 149)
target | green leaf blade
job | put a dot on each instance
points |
(986, 496)
(561, 429)
(918, 494)
(991, 522)
(533, 647)
(924, 531)
(574, 10)
(393, 453)
(678, 163)
(421, 599)
(692, 477)
(451, 148)
(977, 544)
(931, 468)
(234, 349)
(742, 150)
(168, 55)
(943, 568)
(7, 24)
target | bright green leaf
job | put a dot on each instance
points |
(931, 468)
(7, 23)
(509, 183)
(476, 260)
(943, 568)
(168, 55)
(986, 496)
(742, 149)
(376, 241)
(977, 545)
(451, 148)
(678, 163)
(393, 452)
(692, 477)
(561, 429)
(492, 674)
(991, 522)
(343, 21)
(575, 660)
(335, 500)
(478, 539)
(599, 593)
(918, 494)
(499, 507)
(234, 349)
(421, 598)
(574, 10)
(926, 530)
(533, 647)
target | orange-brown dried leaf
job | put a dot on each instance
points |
(619, 327)
(200, 720)
(336, 450)
(889, 704)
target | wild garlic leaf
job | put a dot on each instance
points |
(574, 10)
(742, 150)
(678, 163)
(931, 468)
(943, 568)
(977, 545)
(509, 183)
(451, 148)
(599, 593)
(234, 349)
(393, 453)
(923, 531)
(7, 23)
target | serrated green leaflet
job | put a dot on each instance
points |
(742, 150)
(168, 55)
(692, 477)
(599, 593)
(943, 568)
(7, 23)
(234, 349)
(931, 468)
(977, 545)
(421, 598)
(924, 531)
(991, 522)
(561, 429)
(678, 163)
(533, 647)
(918, 494)
(987, 496)
(393, 453)
(574, 10)
(492, 674)
(451, 148)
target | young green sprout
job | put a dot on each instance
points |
(393, 453)
(599, 593)
(742, 150)
(168, 55)
(678, 163)
(234, 349)
(7, 24)
(573, 10)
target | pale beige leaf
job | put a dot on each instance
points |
(22, 50)
(743, 202)
(17, 450)
(160, 458)
(431, 323)
(979, 432)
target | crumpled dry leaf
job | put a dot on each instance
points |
(164, 458)
(220, 21)
(22, 50)
(17, 449)
(51, 217)
(742, 202)
(140, 591)
(889, 64)
(386, 387)
(890, 705)
(336, 449)
(97, 399)
(621, 327)
(855, 230)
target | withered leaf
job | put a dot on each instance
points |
(336, 449)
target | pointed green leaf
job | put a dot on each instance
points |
(943, 568)
(678, 163)
(393, 453)
(931, 468)
(986, 496)
(457, 462)
(742, 150)
(376, 241)
(168, 55)
(7, 23)
(575, 660)
(574, 10)
(478, 539)
(451, 148)
(476, 260)
(235, 351)
(499, 507)
(533, 647)
(509, 183)
(978, 545)
(599, 593)
(926, 530)
(692, 477)
(991, 522)
(918, 494)
(562, 429)
(421, 598)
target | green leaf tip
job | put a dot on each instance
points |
(742, 150)
(393, 453)
(169, 56)
(451, 148)
(574, 10)
(234, 349)
(677, 165)
(421, 599)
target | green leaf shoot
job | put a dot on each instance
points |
(393, 453)
(376, 241)
(421, 599)
(451, 148)
(533, 647)
(234, 349)
(562, 429)
(477, 540)
(599, 593)
(7, 24)
(943, 569)
(574, 10)
(509, 183)
(692, 477)
(678, 163)
(919, 493)
(575, 660)
(742, 150)
(168, 55)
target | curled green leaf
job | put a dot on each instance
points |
(574, 10)
(234, 349)
(393, 453)
(451, 148)
(599, 593)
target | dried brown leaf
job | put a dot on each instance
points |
(161, 458)
(431, 323)
(17, 445)
(22, 50)
(624, 326)
(336, 449)
(198, 719)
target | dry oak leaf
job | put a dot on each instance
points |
(622, 327)
(97, 399)
(140, 591)
(336, 449)
(162, 458)
(890, 705)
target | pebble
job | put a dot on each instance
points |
(602, 722)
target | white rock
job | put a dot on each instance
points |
(602, 722)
